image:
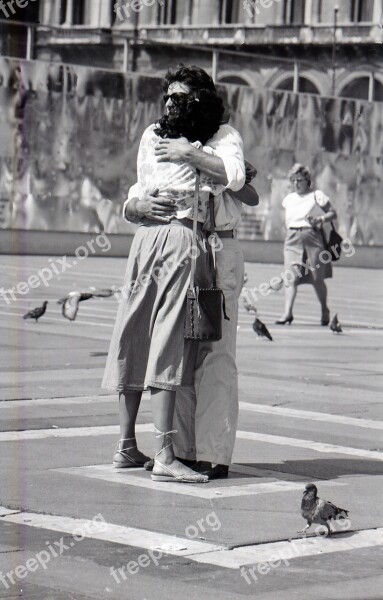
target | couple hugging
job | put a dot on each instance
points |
(193, 385)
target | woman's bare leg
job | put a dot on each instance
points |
(290, 295)
(321, 292)
(163, 402)
(129, 403)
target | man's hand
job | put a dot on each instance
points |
(171, 149)
(150, 207)
(251, 171)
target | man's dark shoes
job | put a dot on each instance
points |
(216, 472)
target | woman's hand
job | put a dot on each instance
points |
(316, 221)
(151, 207)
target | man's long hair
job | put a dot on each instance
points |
(197, 115)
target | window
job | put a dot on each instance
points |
(361, 11)
(112, 12)
(29, 13)
(233, 79)
(359, 89)
(62, 13)
(167, 12)
(294, 12)
(305, 86)
(78, 12)
(229, 11)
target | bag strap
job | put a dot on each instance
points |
(194, 238)
(212, 230)
(321, 207)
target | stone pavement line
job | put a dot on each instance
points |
(297, 548)
(61, 400)
(310, 445)
(245, 406)
(201, 552)
(206, 492)
(34, 434)
(14, 378)
(311, 415)
(118, 534)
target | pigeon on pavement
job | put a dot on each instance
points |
(36, 313)
(261, 330)
(335, 325)
(315, 510)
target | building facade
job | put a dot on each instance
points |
(303, 83)
(306, 46)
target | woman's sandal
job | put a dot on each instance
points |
(122, 458)
(169, 475)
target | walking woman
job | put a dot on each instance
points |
(304, 242)
(148, 349)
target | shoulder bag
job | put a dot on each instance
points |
(204, 306)
(333, 244)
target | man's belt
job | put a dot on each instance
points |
(300, 228)
(224, 234)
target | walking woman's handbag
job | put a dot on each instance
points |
(204, 306)
(333, 244)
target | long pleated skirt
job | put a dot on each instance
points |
(147, 348)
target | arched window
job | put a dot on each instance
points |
(359, 89)
(304, 85)
(233, 79)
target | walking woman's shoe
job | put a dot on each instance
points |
(325, 320)
(163, 472)
(289, 320)
(128, 458)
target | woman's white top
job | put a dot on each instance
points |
(174, 180)
(298, 208)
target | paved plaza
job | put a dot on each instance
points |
(72, 528)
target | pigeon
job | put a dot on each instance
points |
(245, 278)
(36, 313)
(315, 510)
(71, 301)
(335, 325)
(261, 329)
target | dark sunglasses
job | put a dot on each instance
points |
(176, 98)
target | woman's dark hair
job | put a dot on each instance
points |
(194, 77)
(197, 115)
